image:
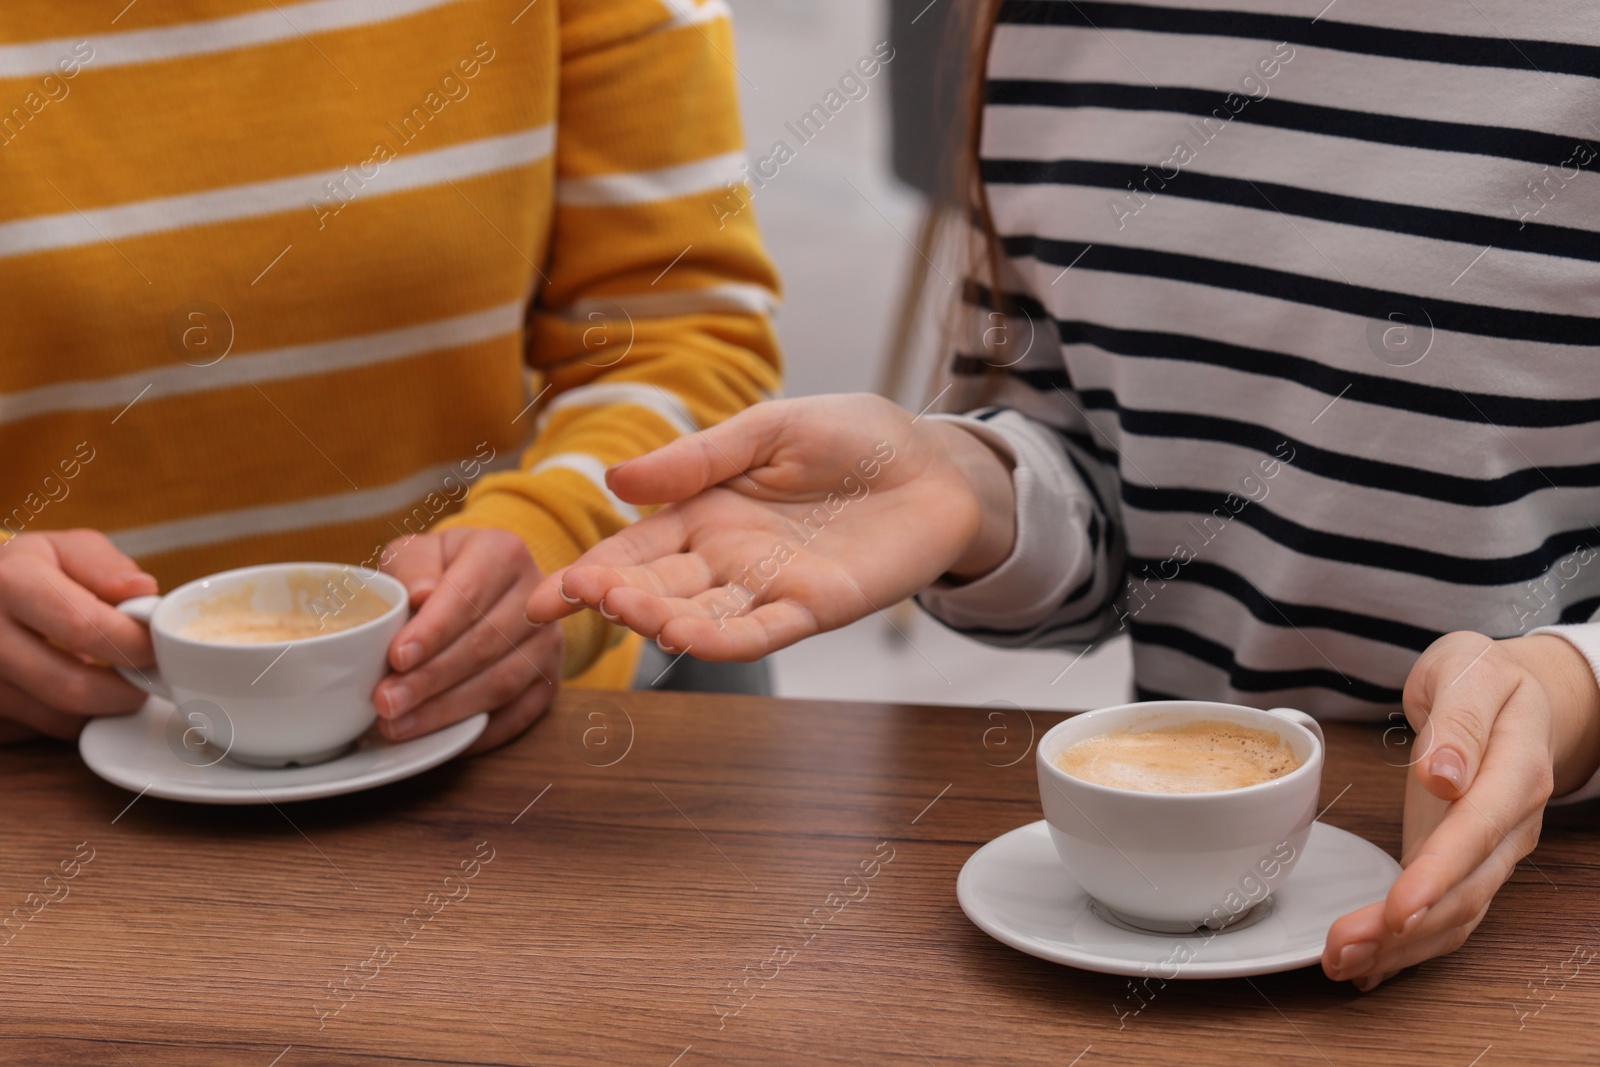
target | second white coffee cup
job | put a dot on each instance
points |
(1180, 861)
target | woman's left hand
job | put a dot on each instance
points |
(1501, 725)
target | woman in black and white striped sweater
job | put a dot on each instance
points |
(1287, 362)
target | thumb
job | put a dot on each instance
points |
(701, 460)
(1466, 682)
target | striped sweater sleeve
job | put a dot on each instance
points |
(1055, 587)
(653, 314)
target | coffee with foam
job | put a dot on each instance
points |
(320, 604)
(1201, 756)
(267, 627)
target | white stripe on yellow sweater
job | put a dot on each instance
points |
(407, 171)
(281, 22)
(593, 471)
(651, 397)
(281, 518)
(650, 186)
(734, 296)
(271, 364)
(689, 13)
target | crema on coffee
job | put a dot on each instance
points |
(323, 605)
(1202, 756)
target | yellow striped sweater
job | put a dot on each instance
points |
(279, 280)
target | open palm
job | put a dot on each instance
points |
(789, 519)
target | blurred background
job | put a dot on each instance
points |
(845, 218)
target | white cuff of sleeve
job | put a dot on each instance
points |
(1051, 556)
(1585, 637)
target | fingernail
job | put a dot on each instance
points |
(1355, 956)
(668, 649)
(604, 614)
(407, 655)
(1413, 921)
(1448, 764)
(399, 701)
(562, 589)
(129, 577)
(531, 622)
(402, 726)
(1368, 983)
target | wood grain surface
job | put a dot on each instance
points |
(595, 892)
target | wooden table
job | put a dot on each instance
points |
(594, 893)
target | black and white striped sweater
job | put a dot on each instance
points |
(1302, 369)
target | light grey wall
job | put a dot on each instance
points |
(834, 218)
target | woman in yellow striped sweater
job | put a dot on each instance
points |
(281, 280)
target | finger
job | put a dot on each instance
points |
(547, 604)
(646, 613)
(524, 667)
(1353, 942)
(1367, 985)
(1362, 943)
(1433, 893)
(698, 461)
(21, 716)
(1458, 694)
(1408, 952)
(1431, 940)
(510, 721)
(487, 642)
(682, 574)
(59, 680)
(468, 587)
(89, 558)
(741, 638)
(56, 607)
(1366, 947)
(1420, 817)
(1503, 806)
(643, 598)
(416, 563)
(650, 539)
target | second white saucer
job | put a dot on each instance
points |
(1017, 891)
(133, 751)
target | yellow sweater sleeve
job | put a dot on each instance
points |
(653, 315)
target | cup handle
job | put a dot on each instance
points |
(141, 608)
(1296, 715)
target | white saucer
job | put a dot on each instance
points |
(1016, 890)
(132, 751)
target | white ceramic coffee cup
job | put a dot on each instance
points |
(279, 702)
(1177, 861)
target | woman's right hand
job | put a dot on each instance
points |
(791, 518)
(58, 625)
